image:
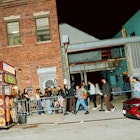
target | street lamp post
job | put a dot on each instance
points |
(65, 40)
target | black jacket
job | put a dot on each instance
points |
(106, 89)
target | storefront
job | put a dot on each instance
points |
(8, 90)
(112, 59)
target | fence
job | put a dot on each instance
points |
(49, 105)
(120, 92)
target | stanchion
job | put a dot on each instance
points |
(101, 99)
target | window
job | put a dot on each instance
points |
(42, 29)
(13, 33)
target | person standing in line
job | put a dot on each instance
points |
(80, 100)
(98, 94)
(127, 87)
(47, 96)
(62, 99)
(92, 94)
(66, 92)
(106, 90)
(38, 101)
(136, 82)
(27, 101)
(72, 101)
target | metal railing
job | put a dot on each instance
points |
(121, 92)
(49, 105)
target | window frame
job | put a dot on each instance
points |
(40, 17)
(8, 34)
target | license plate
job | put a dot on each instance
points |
(124, 111)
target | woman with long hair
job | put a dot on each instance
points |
(136, 82)
(47, 96)
(62, 99)
(38, 100)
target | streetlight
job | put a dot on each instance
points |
(65, 41)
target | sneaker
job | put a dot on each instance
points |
(94, 108)
(89, 106)
(107, 111)
(87, 112)
(113, 109)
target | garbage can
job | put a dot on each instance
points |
(22, 118)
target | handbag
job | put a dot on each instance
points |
(84, 95)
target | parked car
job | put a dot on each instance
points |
(131, 108)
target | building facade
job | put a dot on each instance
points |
(93, 59)
(132, 26)
(30, 42)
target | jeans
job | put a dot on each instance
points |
(49, 107)
(137, 94)
(40, 109)
(27, 107)
(81, 102)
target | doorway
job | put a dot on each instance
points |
(94, 77)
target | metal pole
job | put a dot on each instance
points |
(67, 65)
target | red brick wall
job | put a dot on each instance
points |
(30, 54)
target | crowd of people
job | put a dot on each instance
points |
(78, 97)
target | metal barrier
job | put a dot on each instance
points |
(53, 104)
(48, 105)
(121, 92)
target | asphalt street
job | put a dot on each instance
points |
(96, 125)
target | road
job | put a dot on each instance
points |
(117, 129)
(96, 126)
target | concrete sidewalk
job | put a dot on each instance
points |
(80, 117)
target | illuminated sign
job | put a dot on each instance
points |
(8, 68)
(9, 79)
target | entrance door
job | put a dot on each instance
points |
(94, 77)
(75, 79)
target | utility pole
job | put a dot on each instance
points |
(65, 40)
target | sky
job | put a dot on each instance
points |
(99, 18)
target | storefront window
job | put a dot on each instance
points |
(43, 29)
(13, 33)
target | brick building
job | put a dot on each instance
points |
(29, 40)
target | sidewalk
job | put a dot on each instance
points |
(95, 115)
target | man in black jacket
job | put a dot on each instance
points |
(106, 90)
